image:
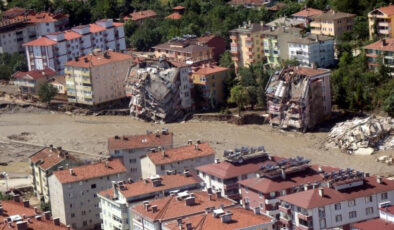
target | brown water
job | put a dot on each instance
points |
(89, 134)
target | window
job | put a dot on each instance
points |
(133, 170)
(83, 213)
(272, 194)
(162, 167)
(352, 214)
(131, 150)
(351, 203)
(368, 199)
(93, 186)
(244, 177)
(369, 211)
(338, 206)
(246, 189)
(85, 223)
(72, 215)
(338, 218)
(133, 161)
(260, 195)
(384, 196)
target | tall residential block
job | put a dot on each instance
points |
(332, 23)
(381, 22)
(382, 50)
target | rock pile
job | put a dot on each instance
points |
(363, 136)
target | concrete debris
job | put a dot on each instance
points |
(363, 136)
(158, 91)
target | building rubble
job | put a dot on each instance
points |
(158, 91)
(363, 136)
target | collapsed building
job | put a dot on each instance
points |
(299, 97)
(158, 90)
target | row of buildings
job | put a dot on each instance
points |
(147, 183)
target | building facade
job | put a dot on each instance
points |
(73, 192)
(381, 22)
(140, 16)
(312, 51)
(385, 221)
(97, 78)
(131, 149)
(29, 82)
(55, 49)
(184, 158)
(306, 14)
(332, 23)
(247, 44)
(382, 50)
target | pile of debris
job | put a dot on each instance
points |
(363, 136)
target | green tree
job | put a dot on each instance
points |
(46, 92)
(388, 104)
(5, 196)
(239, 96)
(45, 206)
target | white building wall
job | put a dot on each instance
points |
(321, 53)
(113, 214)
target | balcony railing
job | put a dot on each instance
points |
(304, 216)
(231, 186)
(284, 209)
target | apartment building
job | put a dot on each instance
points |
(306, 14)
(73, 192)
(116, 201)
(184, 50)
(140, 16)
(312, 50)
(294, 175)
(223, 177)
(332, 23)
(29, 82)
(131, 149)
(177, 159)
(155, 214)
(382, 49)
(385, 221)
(42, 165)
(276, 40)
(381, 22)
(210, 78)
(349, 198)
(59, 82)
(299, 97)
(97, 78)
(234, 218)
(20, 26)
(217, 43)
(53, 50)
(20, 215)
(251, 3)
(247, 44)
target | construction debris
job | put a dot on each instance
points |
(158, 91)
(363, 136)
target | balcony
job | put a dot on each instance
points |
(234, 38)
(305, 217)
(284, 209)
(383, 31)
(249, 45)
(234, 196)
(286, 222)
(231, 186)
(249, 39)
(272, 212)
(271, 201)
(383, 24)
(302, 227)
(235, 58)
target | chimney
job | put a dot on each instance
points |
(1, 210)
(384, 43)
(71, 172)
(163, 153)
(189, 226)
(366, 174)
(378, 179)
(35, 210)
(26, 203)
(210, 196)
(196, 147)
(320, 169)
(321, 192)
(283, 174)
(147, 205)
(217, 161)
(17, 198)
(106, 164)
(219, 193)
(68, 227)
(189, 142)
(226, 218)
(21, 225)
(38, 217)
(314, 66)
(256, 210)
(186, 173)
(154, 208)
(56, 221)
(189, 201)
(115, 188)
(47, 215)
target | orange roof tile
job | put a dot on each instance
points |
(46, 17)
(48, 157)
(170, 207)
(117, 24)
(241, 219)
(308, 12)
(377, 223)
(181, 153)
(178, 8)
(386, 44)
(310, 72)
(388, 10)
(209, 69)
(140, 141)
(94, 28)
(141, 187)
(69, 34)
(35, 74)
(91, 171)
(174, 16)
(140, 15)
(99, 59)
(42, 41)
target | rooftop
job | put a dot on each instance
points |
(240, 219)
(48, 157)
(284, 21)
(97, 59)
(13, 12)
(182, 46)
(388, 10)
(285, 31)
(385, 44)
(146, 186)
(249, 28)
(35, 74)
(226, 170)
(308, 12)
(376, 223)
(277, 6)
(332, 15)
(310, 39)
(42, 41)
(247, 2)
(140, 141)
(46, 17)
(310, 199)
(140, 15)
(209, 69)
(178, 8)
(174, 16)
(181, 153)
(171, 207)
(90, 171)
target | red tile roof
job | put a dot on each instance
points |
(209, 69)
(13, 12)
(91, 171)
(308, 12)
(388, 10)
(99, 59)
(140, 15)
(69, 35)
(181, 153)
(386, 44)
(178, 8)
(49, 157)
(310, 72)
(170, 207)
(277, 6)
(35, 74)
(246, 2)
(377, 223)
(174, 16)
(241, 217)
(94, 28)
(389, 209)
(46, 17)
(11, 208)
(141, 187)
(42, 41)
(140, 141)
(226, 170)
(266, 185)
(118, 24)
(311, 199)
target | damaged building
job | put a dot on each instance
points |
(299, 97)
(158, 90)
